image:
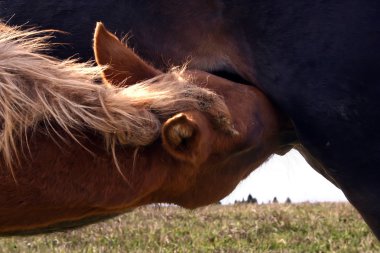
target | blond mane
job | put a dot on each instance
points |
(37, 90)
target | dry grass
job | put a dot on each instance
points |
(327, 227)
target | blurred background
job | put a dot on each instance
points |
(285, 177)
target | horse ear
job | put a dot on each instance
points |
(122, 66)
(188, 137)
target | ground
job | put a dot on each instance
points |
(325, 227)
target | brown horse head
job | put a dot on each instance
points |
(206, 164)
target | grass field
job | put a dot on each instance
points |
(327, 227)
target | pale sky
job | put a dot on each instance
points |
(286, 176)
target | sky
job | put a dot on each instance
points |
(286, 176)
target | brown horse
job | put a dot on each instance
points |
(74, 152)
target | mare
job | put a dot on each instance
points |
(73, 151)
(316, 60)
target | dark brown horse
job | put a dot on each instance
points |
(74, 152)
(317, 60)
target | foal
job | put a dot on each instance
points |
(73, 151)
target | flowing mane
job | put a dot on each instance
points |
(39, 92)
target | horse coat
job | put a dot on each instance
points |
(318, 61)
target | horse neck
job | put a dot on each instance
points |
(59, 180)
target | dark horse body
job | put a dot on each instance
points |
(317, 60)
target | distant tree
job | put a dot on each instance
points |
(288, 201)
(275, 201)
(251, 200)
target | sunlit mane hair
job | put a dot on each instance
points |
(37, 90)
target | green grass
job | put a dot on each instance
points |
(323, 227)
